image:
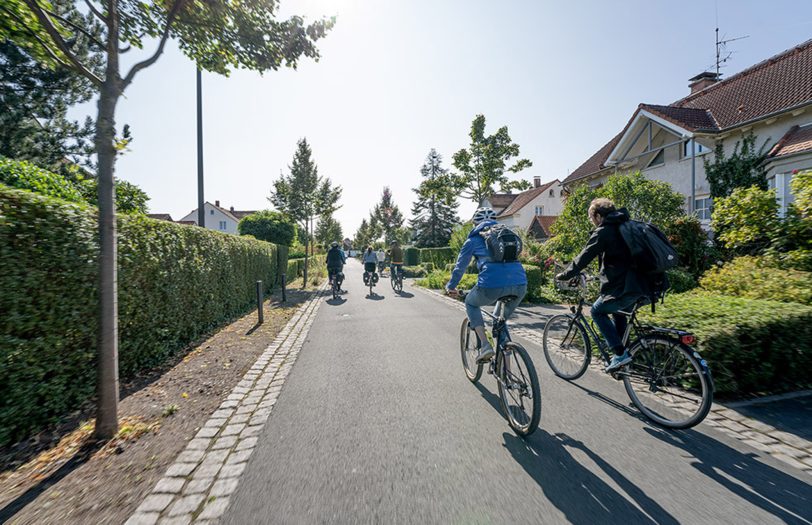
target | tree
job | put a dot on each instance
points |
(485, 163)
(363, 236)
(218, 35)
(328, 231)
(269, 226)
(434, 213)
(744, 168)
(386, 218)
(304, 195)
(35, 98)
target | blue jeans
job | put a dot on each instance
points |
(613, 332)
(479, 297)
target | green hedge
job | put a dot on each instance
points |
(752, 346)
(437, 280)
(755, 278)
(681, 280)
(414, 271)
(429, 266)
(411, 256)
(26, 176)
(176, 283)
(438, 256)
(296, 266)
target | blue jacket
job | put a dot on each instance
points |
(491, 274)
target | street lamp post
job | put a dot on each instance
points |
(201, 212)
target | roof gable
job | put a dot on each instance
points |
(524, 198)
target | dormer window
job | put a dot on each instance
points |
(658, 160)
(686, 149)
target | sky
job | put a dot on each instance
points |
(397, 78)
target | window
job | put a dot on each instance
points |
(211, 212)
(539, 210)
(783, 192)
(703, 208)
(658, 160)
(552, 193)
(686, 149)
(222, 225)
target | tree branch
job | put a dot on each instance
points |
(37, 38)
(95, 11)
(60, 43)
(151, 60)
(76, 27)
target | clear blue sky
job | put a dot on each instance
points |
(398, 78)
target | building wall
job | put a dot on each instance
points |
(214, 220)
(552, 206)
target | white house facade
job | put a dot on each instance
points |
(771, 100)
(217, 218)
(520, 210)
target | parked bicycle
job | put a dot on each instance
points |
(516, 377)
(667, 380)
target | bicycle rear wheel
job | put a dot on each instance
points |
(469, 348)
(519, 390)
(667, 383)
(335, 289)
(566, 347)
(398, 284)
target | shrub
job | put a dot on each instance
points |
(681, 280)
(535, 279)
(755, 278)
(414, 271)
(695, 250)
(437, 280)
(438, 256)
(429, 266)
(747, 220)
(411, 256)
(270, 226)
(752, 346)
(176, 283)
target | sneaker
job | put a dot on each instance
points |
(619, 361)
(485, 355)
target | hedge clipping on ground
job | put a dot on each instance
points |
(176, 283)
(752, 346)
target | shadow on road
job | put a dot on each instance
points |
(336, 302)
(404, 295)
(375, 297)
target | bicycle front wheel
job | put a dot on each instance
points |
(566, 347)
(519, 390)
(667, 383)
(469, 348)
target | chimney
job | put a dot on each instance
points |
(232, 209)
(702, 80)
(537, 182)
(217, 203)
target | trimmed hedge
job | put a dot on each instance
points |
(176, 283)
(437, 280)
(414, 271)
(429, 266)
(755, 278)
(681, 280)
(439, 257)
(411, 256)
(26, 176)
(752, 346)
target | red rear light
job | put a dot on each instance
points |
(688, 339)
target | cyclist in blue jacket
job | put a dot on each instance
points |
(495, 280)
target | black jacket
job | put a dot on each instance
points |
(616, 274)
(335, 259)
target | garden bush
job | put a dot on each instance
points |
(437, 280)
(755, 278)
(681, 280)
(429, 266)
(438, 256)
(414, 271)
(176, 283)
(411, 256)
(752, 346)
(696, 252)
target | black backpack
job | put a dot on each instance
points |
(503, 243)
(652, 253)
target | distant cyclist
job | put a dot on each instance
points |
(335, 263)
(495, 280)
(621, 286)
(370, 264)
(395, 258)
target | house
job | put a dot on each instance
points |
(521, 210)
(217, 218)
(160, 216)
(772, 100)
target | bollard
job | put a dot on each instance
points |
(284, 281)
(260, 313)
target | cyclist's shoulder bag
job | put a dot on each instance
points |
(652, 254)
(504, 245)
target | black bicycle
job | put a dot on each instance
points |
(396, 279)
(336, 284)
(667, 379)
(515, 374)
(370, 279)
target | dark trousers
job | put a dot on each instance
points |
(613, 332)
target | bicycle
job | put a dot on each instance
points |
(370, 279)
(396, 278)
(335, 288)
(516, 377)
(667, 379)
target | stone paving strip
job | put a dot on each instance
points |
(197, 486)
(783, 446)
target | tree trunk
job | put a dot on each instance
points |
(107, 373)
(307, 248)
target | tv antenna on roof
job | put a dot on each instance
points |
(722, 54)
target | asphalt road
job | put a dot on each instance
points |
(377, 423)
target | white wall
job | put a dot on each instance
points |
(552, 206)
(214, 217)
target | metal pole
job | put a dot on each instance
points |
(692, 207)
(260, 313)
(201, 212)
(284, 282)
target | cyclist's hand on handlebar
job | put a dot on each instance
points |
(452, 292)
(560, 277)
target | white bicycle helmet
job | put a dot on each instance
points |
(483, 214)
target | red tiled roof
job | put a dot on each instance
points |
(502, 200)
(160, 216)
(239, 214)
(191, 223)
(797, 140)
(543, 223)
(524, 198)
(777, 84)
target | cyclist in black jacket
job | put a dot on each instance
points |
(335, 263)
(621, 286)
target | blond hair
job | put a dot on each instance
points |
(601, 206)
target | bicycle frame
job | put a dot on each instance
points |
(596, 338)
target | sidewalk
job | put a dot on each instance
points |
(780, 426)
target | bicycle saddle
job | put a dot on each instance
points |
(508, 298)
